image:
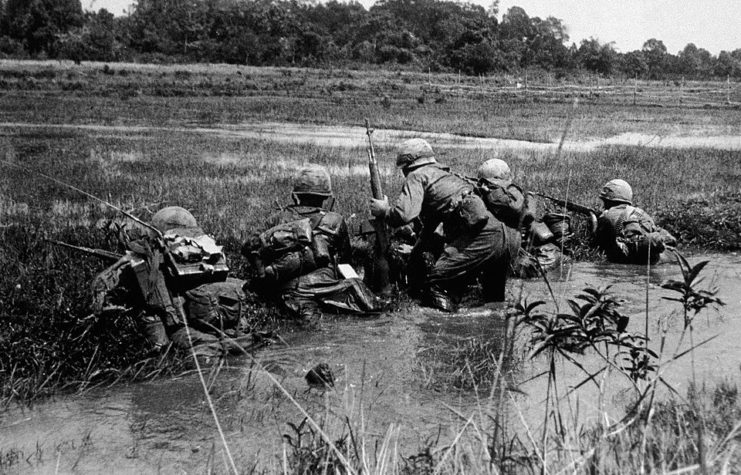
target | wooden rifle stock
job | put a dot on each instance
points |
(576, 208)
(380, 282)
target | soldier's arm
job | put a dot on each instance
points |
(409, 203)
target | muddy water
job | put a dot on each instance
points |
(351, 137)
(386, 372)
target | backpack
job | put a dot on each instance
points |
(222, 305)
(641, 235)
(284, 238)
(297, 247)
(505, 201)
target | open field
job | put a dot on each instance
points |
(209, 138)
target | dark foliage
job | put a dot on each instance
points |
(422, 34)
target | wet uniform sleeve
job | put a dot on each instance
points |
(409, 203)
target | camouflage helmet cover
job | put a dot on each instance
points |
(173, 217)
(415, 152)
(495, 169)
(618, 191)
(313, 180)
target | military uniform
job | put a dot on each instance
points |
(306, 278)
(473, 242)
(627, 234)
(213, 308)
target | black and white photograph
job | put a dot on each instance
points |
(356, 237)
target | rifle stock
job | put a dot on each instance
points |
(101, 253)
(575, 207)
(381, 282)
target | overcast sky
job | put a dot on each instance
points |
(711, 24)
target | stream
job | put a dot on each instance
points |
(387, 372)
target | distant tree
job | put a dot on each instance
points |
(548, 48)
(633, 64)
(516, 31)
(3, 23)
(38, 22)
(694, 61)
(728, 64)
(656, 57)
(595, 57)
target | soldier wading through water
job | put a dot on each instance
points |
(463, 238)
(627, 234)
(299, 261)
(173, 279)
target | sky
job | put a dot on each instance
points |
(711, 24)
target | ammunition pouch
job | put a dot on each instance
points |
(469, 214)
(559, 224)
(645, 248)
(291, 265)
(221, 305)
(540, 233)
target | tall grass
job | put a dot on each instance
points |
(231, 185)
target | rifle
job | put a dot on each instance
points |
(381, 282)
(576, 208)
(101, 253)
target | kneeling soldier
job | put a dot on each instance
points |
(627, 234)
(173, 278)
(301, 258)
(474, 243)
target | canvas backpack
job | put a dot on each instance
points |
(219, 305)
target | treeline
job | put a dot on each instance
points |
(432, 35)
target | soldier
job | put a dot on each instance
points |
(473, 242)
(518, 211)
(146, 282)
(627, 234)
(299, 260)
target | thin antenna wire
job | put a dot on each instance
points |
(206, 393)
(83, 192)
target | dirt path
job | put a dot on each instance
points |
(350, 137)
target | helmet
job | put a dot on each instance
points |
(414, 152)
(618, 191)
(173, 217)
(494, 169)
(313, 180)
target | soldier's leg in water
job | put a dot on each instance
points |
(154, 330)
(302, 307)
(204, 344)
(421, 261)
(463, 259)
(494, 272)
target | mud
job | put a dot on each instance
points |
(383, 384)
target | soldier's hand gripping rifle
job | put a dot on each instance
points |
(576, 208)
(381, 281)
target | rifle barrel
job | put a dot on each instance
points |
(102, 253)
(381, 282)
